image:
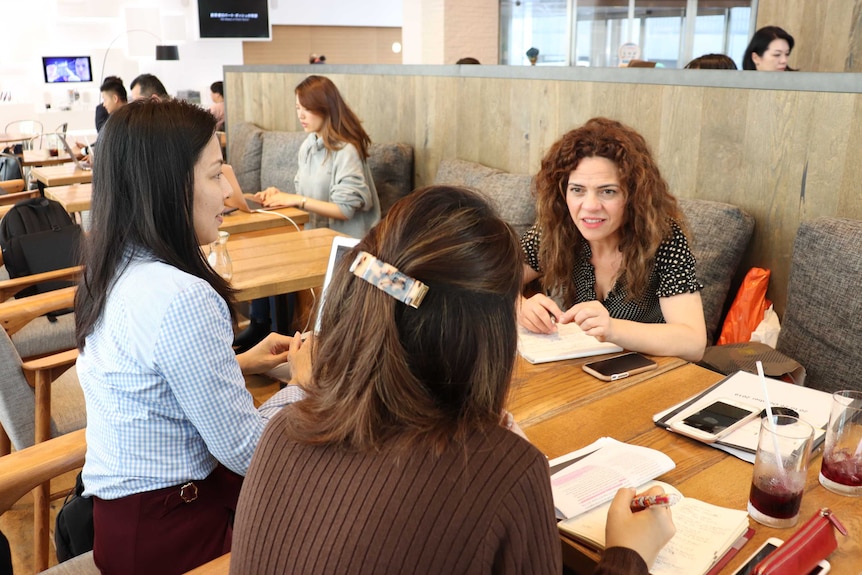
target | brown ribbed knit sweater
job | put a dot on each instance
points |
(486, 508)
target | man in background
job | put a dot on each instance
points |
(217, 109)
(113, 94)
(147, 86)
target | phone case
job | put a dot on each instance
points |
(811, 543)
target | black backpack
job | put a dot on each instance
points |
(37, 235)
(73, 530)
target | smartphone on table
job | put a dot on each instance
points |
(717, 419)
(619, 366)
(768, 547)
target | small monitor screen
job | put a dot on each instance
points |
(246, 19)
(59, 69)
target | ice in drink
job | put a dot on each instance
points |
(841, 470)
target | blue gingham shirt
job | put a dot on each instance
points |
(166, 400)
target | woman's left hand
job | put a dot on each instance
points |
(592, 317)
(273, 197)
(300, 360)
(270, 352)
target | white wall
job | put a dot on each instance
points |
(36, 28)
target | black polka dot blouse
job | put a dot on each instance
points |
(673, 273)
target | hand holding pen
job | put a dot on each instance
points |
(647, 501)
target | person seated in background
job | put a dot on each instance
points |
(609, 247)
(333, 182)
(171, 427)
(712, 62)
(403, 437)
(113, 98)
(113, 94)
(468, 60)
(147, 86)
(217, 108)
(768, 50)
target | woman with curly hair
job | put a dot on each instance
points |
(610, 248)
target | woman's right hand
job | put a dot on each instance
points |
(645, 532)
(539, 313)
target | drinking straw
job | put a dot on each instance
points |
(769, 415)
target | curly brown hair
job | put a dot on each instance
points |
(649, 211)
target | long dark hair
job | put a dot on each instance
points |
(761, 41)
(143, 200)
(388, 375)
(319, 95)
(650, 207)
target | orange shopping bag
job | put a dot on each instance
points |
(746, 311)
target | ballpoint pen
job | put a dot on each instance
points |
(645, 501)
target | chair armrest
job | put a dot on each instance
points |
(218, 566)
(16, 313)
(57, 360)
(24, 470)
(14, 191)
(10, 287)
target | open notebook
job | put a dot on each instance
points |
(569, 342)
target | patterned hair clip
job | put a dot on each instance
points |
(387, 278)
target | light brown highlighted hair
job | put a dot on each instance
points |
(340, 124)
(650, 207)
(387, 375)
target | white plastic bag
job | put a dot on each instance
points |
(767, 330)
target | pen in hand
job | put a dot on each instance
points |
(646, 501)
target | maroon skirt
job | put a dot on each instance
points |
(170, 530)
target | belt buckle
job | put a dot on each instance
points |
(189, 492)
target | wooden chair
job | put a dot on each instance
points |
(27, 389)
(34, 467)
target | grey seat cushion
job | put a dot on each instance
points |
(822, 326)
(245, 144)
(719, 235)
(511, 194)
(40, 336)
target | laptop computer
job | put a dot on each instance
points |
(81, 164)
(238, 200)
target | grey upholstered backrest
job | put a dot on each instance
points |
(511, 194)
(18, 399)
(279, 160)
(391, 167)
(245, 143)
(719, 234)
(822, 325)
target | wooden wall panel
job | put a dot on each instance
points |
(828, 33)
(340, 45)
(756, 148)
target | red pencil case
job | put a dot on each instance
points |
(811, 543)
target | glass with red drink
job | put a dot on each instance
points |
(780, 468)
(841, 470)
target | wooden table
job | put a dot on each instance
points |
(62, 175)
(623, 410)
(278, 261)
(5, 138)
(43, 158)
(78, 198)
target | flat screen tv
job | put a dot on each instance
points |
(238, 19)
(59, 69)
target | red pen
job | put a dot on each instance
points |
(645, 501)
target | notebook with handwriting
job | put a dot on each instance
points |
(584, 482)
(569, 342)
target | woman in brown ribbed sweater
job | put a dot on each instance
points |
(398, 460)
